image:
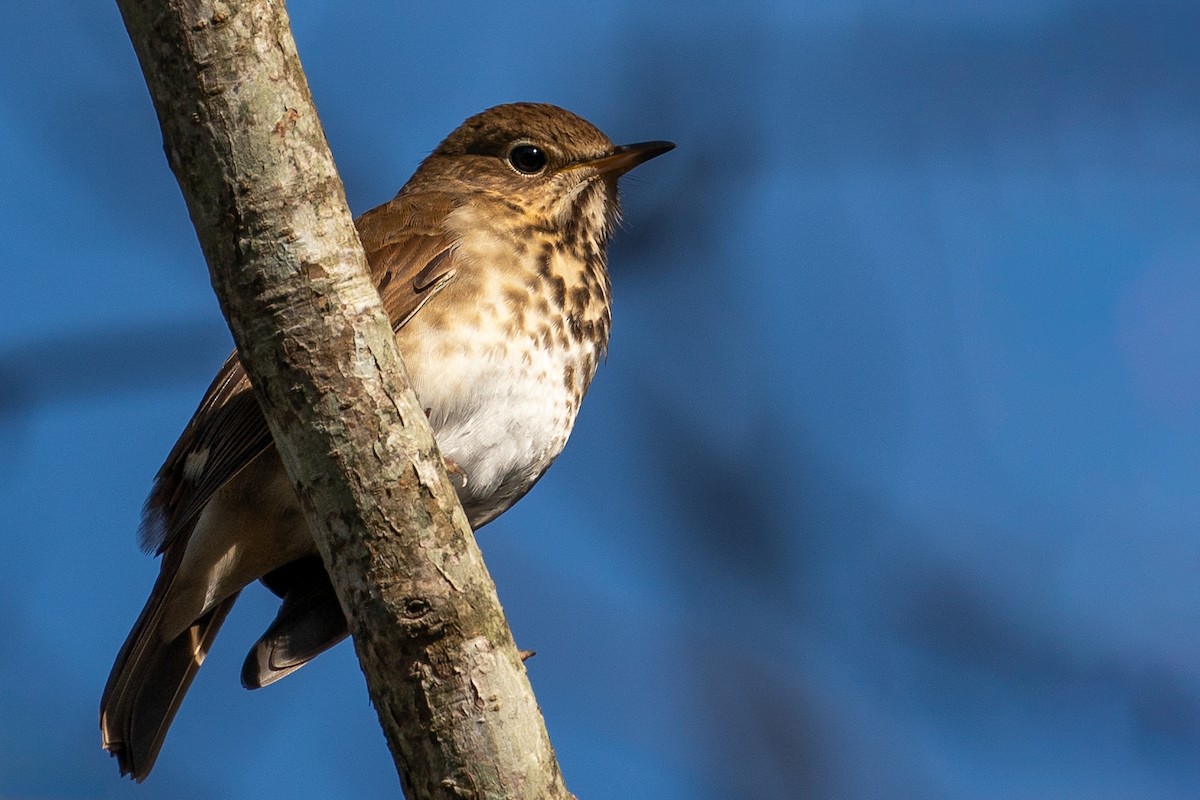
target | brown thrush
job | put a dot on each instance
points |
(491, 264)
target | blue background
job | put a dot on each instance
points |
(889, 487)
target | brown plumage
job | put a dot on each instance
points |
(491, 264)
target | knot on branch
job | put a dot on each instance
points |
(419, 617)
(416, 608)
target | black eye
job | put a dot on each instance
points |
(527, 158)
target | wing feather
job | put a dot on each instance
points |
(411, 259)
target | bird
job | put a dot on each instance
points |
(491, 263)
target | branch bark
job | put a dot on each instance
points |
(244, 141)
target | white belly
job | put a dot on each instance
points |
(502, 415)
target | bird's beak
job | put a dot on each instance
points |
(625, 157)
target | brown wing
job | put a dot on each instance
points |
(226, 433)
(411, 256)
(411, 259)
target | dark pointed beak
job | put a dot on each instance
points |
(627, 156)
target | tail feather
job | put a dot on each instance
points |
(149, 680)
(309, 622)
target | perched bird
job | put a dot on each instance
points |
(491, 263)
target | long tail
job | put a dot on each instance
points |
(150, 678)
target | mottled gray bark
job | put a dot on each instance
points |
(244, 141)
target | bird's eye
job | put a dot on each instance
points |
(527, 158)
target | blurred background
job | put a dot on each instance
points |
(889, 487)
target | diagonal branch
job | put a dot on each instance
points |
(244, 141)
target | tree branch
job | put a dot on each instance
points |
(244, 141)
